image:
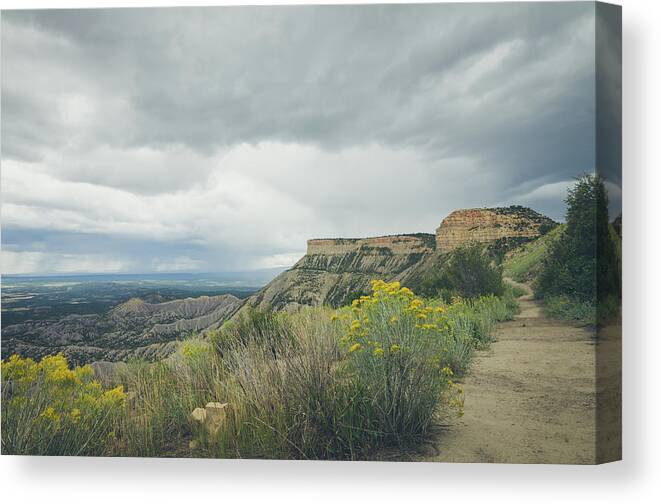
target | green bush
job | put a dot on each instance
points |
(397, 347)
(261, 327)
(567, 308)
(468, 272)
(582, 263)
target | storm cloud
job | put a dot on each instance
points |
(214, 139)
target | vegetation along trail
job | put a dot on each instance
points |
(530, 398)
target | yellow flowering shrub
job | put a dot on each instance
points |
(393, 319)
(396, 345)
(49, 408)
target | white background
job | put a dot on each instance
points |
(636, 479)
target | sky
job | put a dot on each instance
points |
(221, 139)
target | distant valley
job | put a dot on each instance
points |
(114, 317)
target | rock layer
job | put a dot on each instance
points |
(395, 244)
(485, 225)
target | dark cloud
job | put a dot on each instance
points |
(482, 104)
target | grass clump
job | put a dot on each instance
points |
(50, 409)
(161, 397)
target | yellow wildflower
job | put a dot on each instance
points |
(415, 304)
(406, 291)
(52, 416)
(354, 347)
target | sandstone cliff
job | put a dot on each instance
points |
(490, 224)
(334, 271)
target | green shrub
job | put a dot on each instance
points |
(50, 409)
(261, 327)
(582, 263)
(397, 347)
(469, 272)
(584, 312)
(563, 307)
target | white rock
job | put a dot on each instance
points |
(199, 415)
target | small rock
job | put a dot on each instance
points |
(215, 417)
(199, 415)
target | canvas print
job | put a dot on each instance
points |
(358, 232)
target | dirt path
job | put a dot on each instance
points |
(530, 398)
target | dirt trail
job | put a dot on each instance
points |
(530, 398)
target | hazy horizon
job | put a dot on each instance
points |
(140, 274)
(220, 139)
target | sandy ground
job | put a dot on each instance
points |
(530, 398)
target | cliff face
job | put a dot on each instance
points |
(488, 225)
(334, 271)
(395, 245)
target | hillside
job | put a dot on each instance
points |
(132, 329)
(523, 263)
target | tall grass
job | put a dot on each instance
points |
(161, 397)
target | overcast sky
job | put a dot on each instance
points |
(218, 139)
